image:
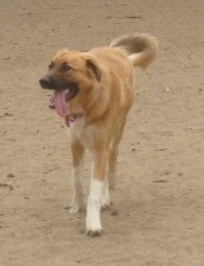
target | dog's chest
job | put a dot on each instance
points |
(83, 133)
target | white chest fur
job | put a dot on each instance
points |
(80, 131)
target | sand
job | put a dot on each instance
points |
(157, 214)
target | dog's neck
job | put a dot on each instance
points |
(72, 117)
(77, 114)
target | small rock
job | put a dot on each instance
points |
(8, 114)
(161, 181)
(10, 175)
(114, 213)
(167, 173)
(167, 89)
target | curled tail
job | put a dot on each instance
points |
(141, 48)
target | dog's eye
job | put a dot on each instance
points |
(51, 65)
(65, 67)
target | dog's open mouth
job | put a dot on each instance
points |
(60, 98)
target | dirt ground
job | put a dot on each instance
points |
(157, 216)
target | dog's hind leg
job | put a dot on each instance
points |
(106, 196)
(77, 203)
(113, 153)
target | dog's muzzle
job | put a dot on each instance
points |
(47, 82)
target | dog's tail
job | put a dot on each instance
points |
(140, 47)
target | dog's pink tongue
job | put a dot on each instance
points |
(60, 102)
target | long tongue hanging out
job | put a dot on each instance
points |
(60, 104)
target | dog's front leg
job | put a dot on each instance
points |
(77, 203)
(93, 222)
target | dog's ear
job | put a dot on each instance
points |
(94, 68)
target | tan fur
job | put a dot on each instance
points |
(105, 79)
(141, 48)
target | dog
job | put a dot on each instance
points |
(93, 92)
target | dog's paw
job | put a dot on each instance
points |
(94, 233)
(105, 207)
(105, 202)
(76, 207)
(93, 228)
(93, 222)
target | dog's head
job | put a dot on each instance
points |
(72, 75)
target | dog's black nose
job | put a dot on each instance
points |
(45, 82)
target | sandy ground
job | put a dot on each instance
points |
(158, 203)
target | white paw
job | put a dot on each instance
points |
(93, 223)
(76, 206)
(94, 233)
(105, 202)
(93, 227)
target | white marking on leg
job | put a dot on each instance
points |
(106, 195)
(77, 203)
(93, 223)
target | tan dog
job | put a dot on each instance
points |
(94, 91)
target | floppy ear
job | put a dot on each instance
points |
(94, 68)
